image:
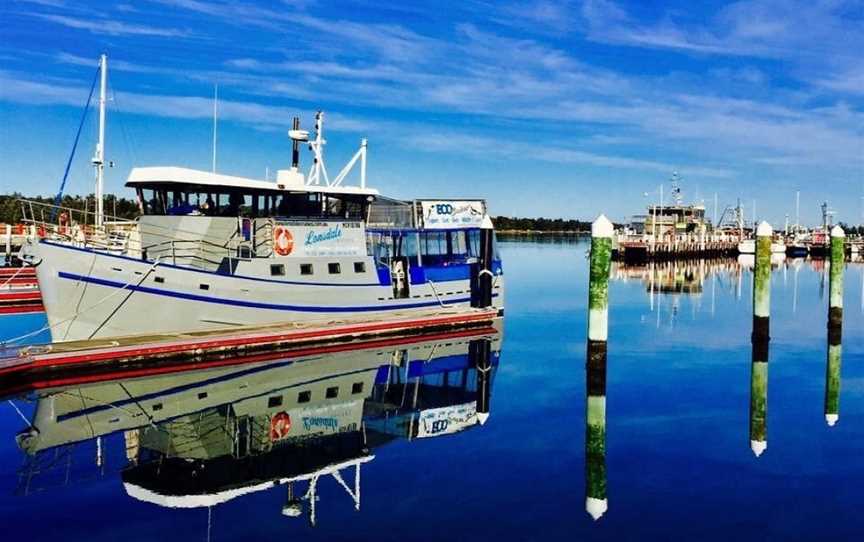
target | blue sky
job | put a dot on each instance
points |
(544, 108)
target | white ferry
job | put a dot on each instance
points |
(213, 251)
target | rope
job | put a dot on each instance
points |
(78, 313)
(125, 299)
(437, 297)
(10, 279)
(19, 412)
(74, 145)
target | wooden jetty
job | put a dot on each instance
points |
(138, 354)
(641, 251)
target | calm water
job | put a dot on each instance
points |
(678, 458)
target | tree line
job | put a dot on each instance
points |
(11, 210)
(506, 223)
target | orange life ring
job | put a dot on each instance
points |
(283, 241)
(280, 426)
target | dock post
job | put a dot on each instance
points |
(484, 264)
(596, 502)
(760, 338)
(8, 242)
(835, 325)
(481, 352)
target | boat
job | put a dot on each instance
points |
(212, 251)
(201, 438)
(748, 246)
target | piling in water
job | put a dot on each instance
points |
(835, 326)
(480, 351)
(838, 262)
(596, 502)
(759, 339)
(832, 377)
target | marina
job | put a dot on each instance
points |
(252, 271)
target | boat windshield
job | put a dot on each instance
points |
(191, 200)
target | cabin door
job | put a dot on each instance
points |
(399, 277)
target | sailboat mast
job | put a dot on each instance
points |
(215, 112)
(99, 159)
(797, 211)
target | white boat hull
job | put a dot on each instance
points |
(89, 294)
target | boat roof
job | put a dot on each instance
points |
(200, 500)
(146, 176)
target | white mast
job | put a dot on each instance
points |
(99, 157)
(715, 210)
(797, 211)
(215, 102)
(317, 146)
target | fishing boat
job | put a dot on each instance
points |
(215, 251)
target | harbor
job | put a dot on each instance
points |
(484, 271)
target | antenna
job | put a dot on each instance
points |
(317, 147)
(797, 210)
(99, 157)
(715, 210)
(215, 111)
(676, 188)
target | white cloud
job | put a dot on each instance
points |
(111, 27)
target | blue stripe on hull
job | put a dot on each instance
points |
(256, 304)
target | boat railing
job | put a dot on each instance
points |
(120, 236)
(193, 252)
(78, 226)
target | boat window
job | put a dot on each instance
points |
(356, 388)
(202, 395)
(474, 243)
(274, 401)
(359, 267)
(408, 246)
(433, 247)
(160, 280)
(458, 244)
(277, 270)
(333, 392)
(157, 407)
(305, 268)
(204, 286)
(334, 268)
(304, 396)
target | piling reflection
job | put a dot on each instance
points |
(204, 438)
(760, 338)
(835, 326)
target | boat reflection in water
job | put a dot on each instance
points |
(202, 438)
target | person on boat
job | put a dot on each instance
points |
(208, 206)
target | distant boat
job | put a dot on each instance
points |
(748, 246)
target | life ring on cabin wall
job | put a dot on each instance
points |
(280, 426)
(283, 241)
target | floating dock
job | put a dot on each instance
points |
(55, 363)
(19, 290)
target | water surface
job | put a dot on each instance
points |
(678, 462)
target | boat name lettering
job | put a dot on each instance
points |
(310, 422)
(314, 237)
